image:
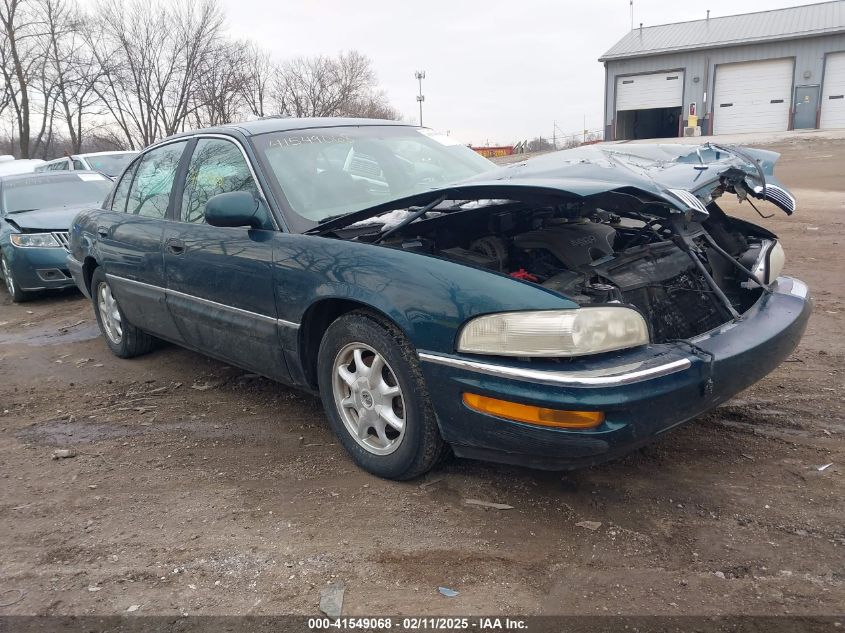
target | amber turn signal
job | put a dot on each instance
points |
(529, 414)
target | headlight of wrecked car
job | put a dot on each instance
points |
(551, 333)
(34, 240)
(768, 263)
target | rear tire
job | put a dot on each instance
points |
(123, 338)
(376, 399)
(14, 290)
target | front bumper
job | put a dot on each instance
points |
(39, 268)
(643, 392)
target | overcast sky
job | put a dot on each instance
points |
(496, 70)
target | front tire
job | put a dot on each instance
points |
(18, 295)
(375, 397)
(123, 338)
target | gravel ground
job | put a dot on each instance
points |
(196, 488)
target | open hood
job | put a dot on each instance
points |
(681, 177)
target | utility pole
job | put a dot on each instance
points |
(632, 14)
(420, 75)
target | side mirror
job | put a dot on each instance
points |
(235, 208)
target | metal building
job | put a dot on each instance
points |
(757, 72)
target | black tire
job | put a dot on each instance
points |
(132, 341)
(421, 447)
(12, 287)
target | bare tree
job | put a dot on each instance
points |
(74, 66)
(29, 88)
(150, 60)
(329, 86)
(134, 71)
(372, 106)
(220, 86)
(259, 69)
(192, 43)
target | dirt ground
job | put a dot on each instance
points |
(200, 489)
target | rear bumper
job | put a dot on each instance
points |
(643, 392)
(39, 268)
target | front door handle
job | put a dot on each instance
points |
(175, 246)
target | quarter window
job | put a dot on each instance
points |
(150, 192)
(77, 165)
(217, 166)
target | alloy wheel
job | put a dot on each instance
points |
(109, 314)
(7, 275)
(369, 398)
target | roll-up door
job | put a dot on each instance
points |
(753, 97)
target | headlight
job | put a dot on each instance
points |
(34, 240)
(769, 263)
(549, 333)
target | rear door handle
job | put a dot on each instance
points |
(175, 246)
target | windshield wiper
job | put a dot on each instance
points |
(416, 214)
(21, 211)
(329, 218)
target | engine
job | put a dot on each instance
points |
(591, 262)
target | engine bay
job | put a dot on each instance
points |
(656, 264)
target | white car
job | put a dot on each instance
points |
(109, 163)
(9, 166)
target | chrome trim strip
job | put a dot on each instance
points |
(63, 238)
(777, 195)
(690, 199)
(221, 306)
(133, 282)
(208, 302)
(561, 378)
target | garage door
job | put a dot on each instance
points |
(833, 94)
(655, 90)
(752, 97)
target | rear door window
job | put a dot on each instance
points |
(149, 194)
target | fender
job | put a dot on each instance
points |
(427, 297)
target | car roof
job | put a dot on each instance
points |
(117, 151)
(48, 176)
(287, 124)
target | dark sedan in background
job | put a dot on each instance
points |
(35, 214)
(555, 313)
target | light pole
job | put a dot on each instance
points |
(420, 75)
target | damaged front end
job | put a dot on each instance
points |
(637, 226)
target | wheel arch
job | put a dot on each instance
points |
(317, 319)
(89, 265)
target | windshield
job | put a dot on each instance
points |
(110, 164)
(26, 194)
(333, 171)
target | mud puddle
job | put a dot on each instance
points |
(50, 335)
